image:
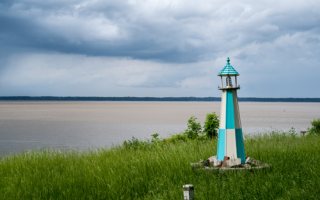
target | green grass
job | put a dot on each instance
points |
(158, 170)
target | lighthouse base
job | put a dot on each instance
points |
(250, 165)
(238, 169)
(230, 143)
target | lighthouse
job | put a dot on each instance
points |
(230, 141)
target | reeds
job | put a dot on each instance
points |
(159, 169)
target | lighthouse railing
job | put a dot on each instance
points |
(229, 87)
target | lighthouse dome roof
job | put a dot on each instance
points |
(228, 70)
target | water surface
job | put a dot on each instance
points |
(25, 125)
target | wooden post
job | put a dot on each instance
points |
(303, 132)
(224, 164)
(188, 192)
(236, 81)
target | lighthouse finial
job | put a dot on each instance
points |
(228, 60)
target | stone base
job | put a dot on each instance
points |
(250, 165)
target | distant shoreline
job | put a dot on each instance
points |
(208, 99)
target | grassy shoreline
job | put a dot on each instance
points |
(158, 169)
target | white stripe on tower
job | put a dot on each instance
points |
(223, 110)
(231, 147)
(237, 120)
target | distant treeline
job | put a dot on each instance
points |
(54, 98)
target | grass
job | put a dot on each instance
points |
(159, 169)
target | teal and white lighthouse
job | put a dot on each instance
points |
(230, 142)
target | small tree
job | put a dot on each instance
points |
(211, 125)
(315, 129)
(194, 128)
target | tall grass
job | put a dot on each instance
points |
(159, 169)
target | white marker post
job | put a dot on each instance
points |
(188, 192)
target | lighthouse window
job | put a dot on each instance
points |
(228, 81)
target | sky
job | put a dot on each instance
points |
(158, 48)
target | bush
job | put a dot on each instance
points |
(315, 129)
(177, 137)
(155, 137)
(211, 125)
(194, 128)
(135, 143)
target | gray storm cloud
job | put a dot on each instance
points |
(158, 48)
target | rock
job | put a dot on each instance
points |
(233, 162)
(224, 161)
(217, 163)
(214, 162)
(252, 161)
(212, 158)
(265, 165)
(206, 163)
(247, 166)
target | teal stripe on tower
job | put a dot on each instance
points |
(230, 111)
(221, 144)
(240, 146)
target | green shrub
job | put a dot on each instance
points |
(135, 143)
(292, 132)
(315, 129)
(177, 137)
(155, 137)
(194, 128)
(211, 125)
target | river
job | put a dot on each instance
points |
(26, 125)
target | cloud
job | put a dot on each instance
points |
(158, 48)
(82, 75)
(169, 31)
(79, 75)
(202, 82)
